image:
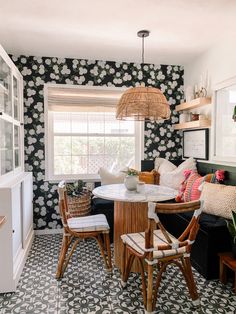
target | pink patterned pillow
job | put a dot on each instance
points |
(189, 190)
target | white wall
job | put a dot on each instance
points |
(219, 61)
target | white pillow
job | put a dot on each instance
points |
(108, 177)
(163, 165)
(174, 178)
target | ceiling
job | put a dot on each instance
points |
(106, 29)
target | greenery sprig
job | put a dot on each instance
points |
(131, 172)
(232, 226)
(75, 188)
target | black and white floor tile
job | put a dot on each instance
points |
(87, 288)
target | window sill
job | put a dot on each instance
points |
(91, 178)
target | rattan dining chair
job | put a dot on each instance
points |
(157, 247)
(77, 228)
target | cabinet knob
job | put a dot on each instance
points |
(13, 231)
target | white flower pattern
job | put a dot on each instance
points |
(160, 138)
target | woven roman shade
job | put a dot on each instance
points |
(141, 103)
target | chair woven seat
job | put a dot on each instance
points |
(137, 242)
(88, 223)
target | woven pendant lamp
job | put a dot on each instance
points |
(143, 103)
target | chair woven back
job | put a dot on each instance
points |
(187, 237)
(63, 202)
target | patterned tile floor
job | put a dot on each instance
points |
(87, 288)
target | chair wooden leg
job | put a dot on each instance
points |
(149, 307)
(127, 268)
(100, 244)
(108, 249)
(64, 248)
(69, 256)
(190, 281)
(144, 286)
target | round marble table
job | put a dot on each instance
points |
(130, 210)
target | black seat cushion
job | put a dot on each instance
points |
(207, 221)
(106, 207)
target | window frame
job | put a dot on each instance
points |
(219, 158)
(49, 137)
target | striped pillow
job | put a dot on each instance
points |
(189, 190)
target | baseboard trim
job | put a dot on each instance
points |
(48, 231)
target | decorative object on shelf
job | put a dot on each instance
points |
(143, 103)
(189, 95)
(202, 89)
(196, 144)
(78, 199)
(234, 114)
(131, 180)
(184, 117)
(232, 230)
(194, 116)
(202, 117)
(202, 92)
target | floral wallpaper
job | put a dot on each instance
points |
(160, 138)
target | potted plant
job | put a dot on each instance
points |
(76, 188)
(232, 230)
(131, 179)
(78, 199)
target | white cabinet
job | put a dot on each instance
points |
(16, 235)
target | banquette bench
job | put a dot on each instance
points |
(213, 236)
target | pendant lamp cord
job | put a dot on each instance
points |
(142, 49)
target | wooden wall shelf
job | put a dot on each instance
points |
(195, 103)
(193, 125)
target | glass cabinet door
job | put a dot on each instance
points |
(11, 118)
(6, 146)
(5, 88)
(17, 145)
(16, 99)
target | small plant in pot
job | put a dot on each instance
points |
(131, 179)
(232, 230)
(76, 188)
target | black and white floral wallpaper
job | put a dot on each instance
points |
(160, 138)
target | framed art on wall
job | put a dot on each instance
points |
(196, 144)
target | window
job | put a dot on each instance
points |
(224, 124)
(84, 135)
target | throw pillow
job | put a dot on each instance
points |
(151, 177)
(163, 165)
(108, 177)
(174, 178)
(190, 189)
(219, 199)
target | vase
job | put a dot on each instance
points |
(130, 182)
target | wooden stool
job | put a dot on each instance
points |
(227, 260)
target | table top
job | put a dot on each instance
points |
(118, 192)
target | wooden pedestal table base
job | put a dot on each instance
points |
(129, 217)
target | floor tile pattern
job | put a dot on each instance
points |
(87, 288)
